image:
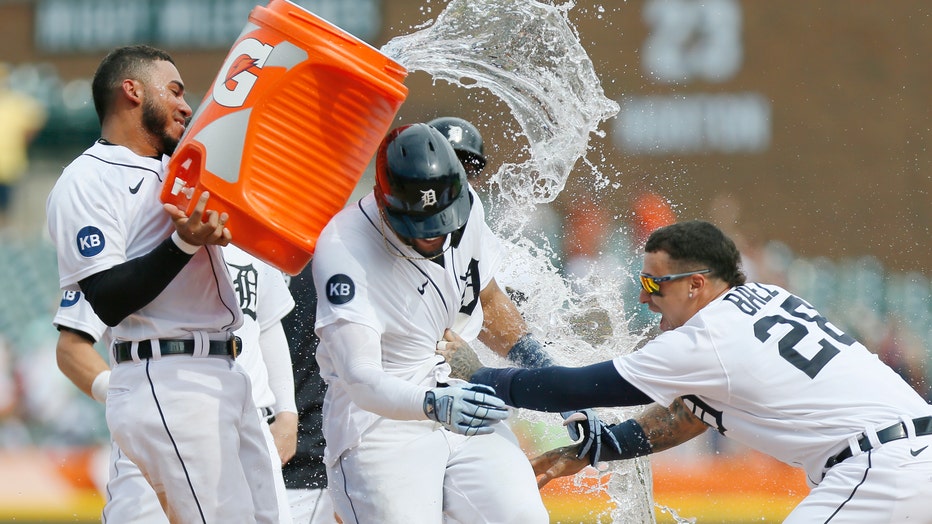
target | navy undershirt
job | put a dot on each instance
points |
(560, 388)
(120, 291)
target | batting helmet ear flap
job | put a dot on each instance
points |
(458, 234)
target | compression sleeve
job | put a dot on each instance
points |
(529, 353)
(121, 290)
(277, 357)
(358, 362)
(562, 388)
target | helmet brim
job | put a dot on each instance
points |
(468, 155)
(439, 224)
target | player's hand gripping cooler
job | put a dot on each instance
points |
(286, 131)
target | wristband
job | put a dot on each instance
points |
(100, 386)
(185, 247)
(632, 441)
(528, 353)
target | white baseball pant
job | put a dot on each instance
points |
(416, 472)
(191, 426)
(891, 484)
(130, 498)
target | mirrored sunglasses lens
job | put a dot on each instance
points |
(649, 285)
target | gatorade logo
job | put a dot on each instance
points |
(240, 72)
(70, 298)
(90, 241)
(340, 289)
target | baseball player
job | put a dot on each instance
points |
(264, 300)
(177, 404)
(405, 443)
(757, 364)
(466, 141)
(470, 150)
(305, 474)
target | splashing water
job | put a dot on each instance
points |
(528, 55)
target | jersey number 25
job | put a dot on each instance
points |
(800, 321)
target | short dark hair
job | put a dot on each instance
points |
(120, 64)
(700, 244)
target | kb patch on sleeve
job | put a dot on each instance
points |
(340, 289)
(90, 241)
(70, 298)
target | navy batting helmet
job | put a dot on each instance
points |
(464, 137)
(420, 184)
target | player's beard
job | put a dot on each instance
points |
(156, 120)
(428, 254)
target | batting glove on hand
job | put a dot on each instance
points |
(585, 424)
(467, 409)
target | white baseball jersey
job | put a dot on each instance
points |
(383, 469)
(365, 278)
(763, 367)
(260, 310)
(105, 210)
(75, 312)
(264, 299)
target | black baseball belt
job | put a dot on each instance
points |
(923, 427)
(123, 351)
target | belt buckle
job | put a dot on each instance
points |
(234, 346)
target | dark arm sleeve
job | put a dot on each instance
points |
(561, 388)
(123, 289)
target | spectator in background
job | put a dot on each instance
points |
(23, 118)
(726, 211)
(650, 211)
(586, 231)
(902, 350)
(12, 431)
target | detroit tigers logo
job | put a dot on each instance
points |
(90, 241)
(470, 281)
(455, 134)
(246, 285)
(240, 72)
(706, 413)
(340, 289)
(70, 298)
(429, 198)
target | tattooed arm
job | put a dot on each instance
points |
(669, 427)
(657, 429)
(459, 354)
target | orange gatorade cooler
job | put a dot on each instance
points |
(286, 131)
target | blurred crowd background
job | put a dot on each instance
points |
(801, 128)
